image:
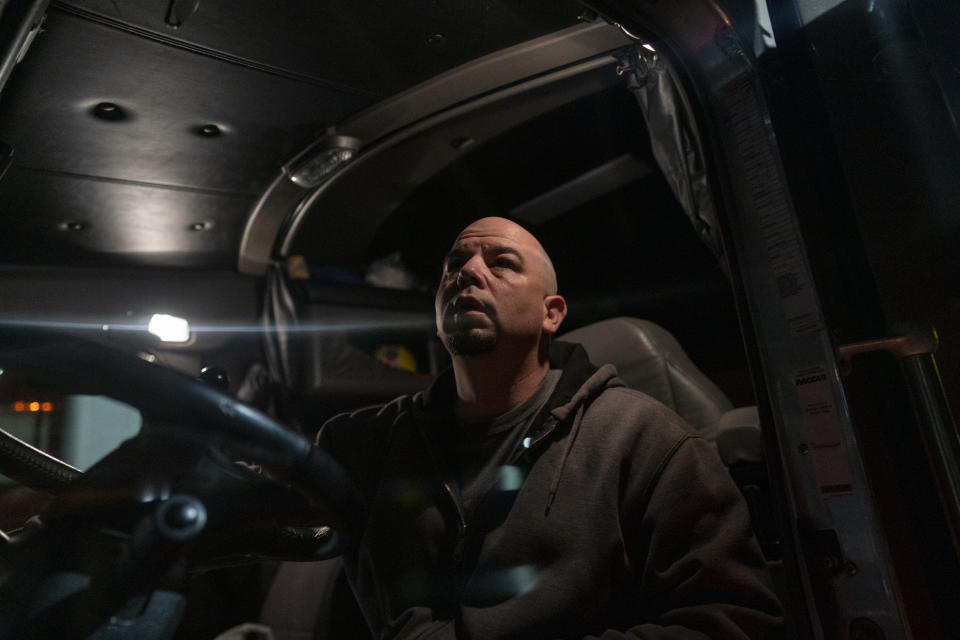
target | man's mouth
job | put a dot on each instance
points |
(464, 304)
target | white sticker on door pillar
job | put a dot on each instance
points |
(822, 427)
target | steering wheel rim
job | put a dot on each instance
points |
(81, 365)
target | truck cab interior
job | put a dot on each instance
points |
(224, 223)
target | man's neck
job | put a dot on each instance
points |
(489, 385)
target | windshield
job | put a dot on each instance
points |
(76, 428)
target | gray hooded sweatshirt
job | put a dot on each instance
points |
(611, 520)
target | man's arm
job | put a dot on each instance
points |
(701, 571)
(356, 443)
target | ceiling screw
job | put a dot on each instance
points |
(851, 569)
(210, 131)
(804, 449)
(74, 226)
(587, 15)
(109, 111)
(436, 40)
(198, 226)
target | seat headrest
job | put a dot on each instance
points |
(648, 358)
(739, 439)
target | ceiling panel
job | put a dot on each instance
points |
(369, 45)
(115, 223)
(168, 94)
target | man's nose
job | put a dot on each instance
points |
(470, 273)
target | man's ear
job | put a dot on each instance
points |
(555, 310)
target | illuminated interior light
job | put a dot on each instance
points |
(321, 161)
(46, 406)
(324, 164)
(19, 406)
(169, 328)
(34, 407)
(648, 46)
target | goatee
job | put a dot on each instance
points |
(471, 342)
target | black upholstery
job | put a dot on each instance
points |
(739, 440)
(648, 358)
(312, 601)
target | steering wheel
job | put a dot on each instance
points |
(162, 496)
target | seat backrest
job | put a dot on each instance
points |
(648, 358)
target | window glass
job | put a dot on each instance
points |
(93, 426)
(78, 429)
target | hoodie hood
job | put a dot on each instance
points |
(580, 382)
(581, 379)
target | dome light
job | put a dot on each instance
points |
(322, 160)
(169, 328)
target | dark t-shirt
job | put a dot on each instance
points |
(477, 451)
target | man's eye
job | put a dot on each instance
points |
(505, 264)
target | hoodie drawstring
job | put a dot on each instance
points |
(574, 430)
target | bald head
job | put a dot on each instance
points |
(494, 227)
(498, 287)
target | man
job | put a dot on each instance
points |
(528, 494)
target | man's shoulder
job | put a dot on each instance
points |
(366, 422)
(634, 414)
(653, 436)
(373, 412)
(624, 398)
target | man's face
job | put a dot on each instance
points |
(495, 280)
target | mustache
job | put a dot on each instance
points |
(463, 300)
(467, 302)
